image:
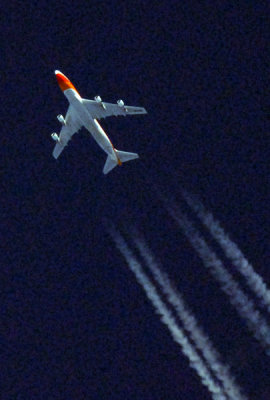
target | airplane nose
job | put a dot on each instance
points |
(63, 81)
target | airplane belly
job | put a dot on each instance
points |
(93, 127)
(100, 136)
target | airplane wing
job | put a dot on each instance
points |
(101, 109)
(72, 126)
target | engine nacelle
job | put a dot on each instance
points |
(98, 99)
(55, 137)
(61, 119)
(120, 103)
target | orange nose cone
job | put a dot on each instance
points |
(63, 81)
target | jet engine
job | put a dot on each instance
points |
(55, 137)
(120, 103)
(100, 102)
(61, 119)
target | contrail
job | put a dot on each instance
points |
(245, 306)
(231, 250)
(167, 318)
(201, 341)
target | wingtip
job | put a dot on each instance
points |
(57, 72)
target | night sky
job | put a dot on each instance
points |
(75, 323)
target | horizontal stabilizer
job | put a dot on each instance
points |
(123, 156)
(109, 165)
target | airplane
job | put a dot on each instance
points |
(83, 112)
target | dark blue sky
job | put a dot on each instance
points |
(75, 323)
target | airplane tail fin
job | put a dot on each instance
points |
(122, 156)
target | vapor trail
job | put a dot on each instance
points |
(167, 318)
(231, 250)
(245, 306)
(201, 340)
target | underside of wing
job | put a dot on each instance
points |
(135, 110)
(72, 125)
(100, 109)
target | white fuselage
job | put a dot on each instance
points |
(90, 123)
